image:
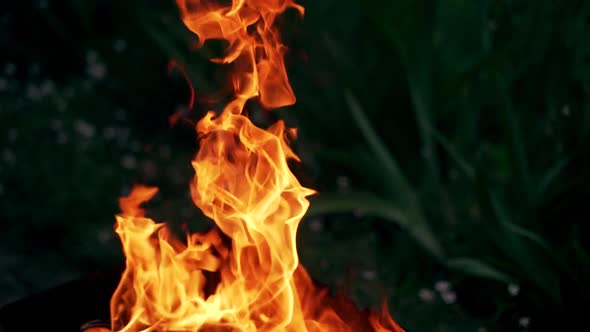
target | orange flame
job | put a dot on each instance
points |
(254, 46)
(243, 182)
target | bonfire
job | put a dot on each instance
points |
(243, 275)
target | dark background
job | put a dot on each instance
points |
(449, 141)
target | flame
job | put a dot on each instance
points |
(244, 275)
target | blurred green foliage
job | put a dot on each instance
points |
(448, 140)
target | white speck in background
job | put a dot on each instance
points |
(97, 70)
(128, 162)
(442, 286)
(84, 128)
(33, 92)
(566, 110)
(449, 297)
(3, 84)
(343, 183)
(47, 88)
(8, 156)
(369, 275)
(426, 295)
(524, 322)
(94, 68)
(513, 289)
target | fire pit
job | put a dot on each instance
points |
(95, 326)
(63, 308)
(82, 306)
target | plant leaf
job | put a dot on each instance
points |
(517, 145)
(372, 205)
(477, 268)
(532, 265)
(367, 203)
(396, 179)
(465, 167)
(550, 176)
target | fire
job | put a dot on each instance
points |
(253, 281)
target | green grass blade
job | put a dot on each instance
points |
(532, 265)
(164, 43)
(402, 191)
(525, 233)
(477, 268)
(419, 80)
(415, 55)
(550, 176)
(455, 155)
(517, 145)
(395, 177)
(372, 205)
(367, 203)
(546, 250)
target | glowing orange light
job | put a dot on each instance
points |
(243, 182)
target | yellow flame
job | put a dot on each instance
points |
(254, 281)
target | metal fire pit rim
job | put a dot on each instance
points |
(94, 324)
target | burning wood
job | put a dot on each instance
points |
(242, 182)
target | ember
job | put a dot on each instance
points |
(243, 182)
